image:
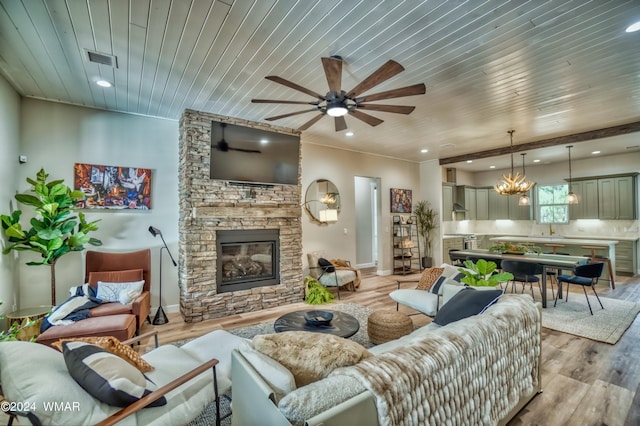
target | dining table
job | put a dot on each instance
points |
(556, 262)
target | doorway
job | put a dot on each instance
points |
(368, 210)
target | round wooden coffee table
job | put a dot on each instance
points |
(343, 325)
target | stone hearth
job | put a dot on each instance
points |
(207, 206)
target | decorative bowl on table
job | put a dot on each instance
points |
(318, 318)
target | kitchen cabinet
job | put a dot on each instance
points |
(616, 198)
(626, 257)
(406, 245)
(447, 202)
(482, 203)
(516, 211)
(470, 203)
(587, 207)
(454, 243)
(498, 206)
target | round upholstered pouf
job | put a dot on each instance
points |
(387, 325)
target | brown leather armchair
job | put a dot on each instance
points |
(121, 267)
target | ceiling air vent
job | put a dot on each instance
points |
(102, 59)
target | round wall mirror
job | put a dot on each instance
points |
(322, 201)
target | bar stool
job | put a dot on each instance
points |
(554, 247)
(605, 259)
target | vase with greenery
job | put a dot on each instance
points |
(317, 294)
(55, 229)
(482, 274)
(511, 248)
(427, 219)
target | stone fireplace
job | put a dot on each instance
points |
(209, 209)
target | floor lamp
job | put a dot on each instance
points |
(161, 317)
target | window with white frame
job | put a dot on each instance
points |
(552, 204)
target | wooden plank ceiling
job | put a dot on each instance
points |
(545, 68)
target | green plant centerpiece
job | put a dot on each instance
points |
(317, 294)
(427, 219)
(482, 274)
(511, 248)
(55, 229)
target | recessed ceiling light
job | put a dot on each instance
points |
(536, 161)
(424, 151)
(633, 27)
(492, 167)
(104, 83)
(595, 152)
(349, 133)
(469, 161)
(264, 141)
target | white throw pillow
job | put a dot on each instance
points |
(274, 373)
(124, 293)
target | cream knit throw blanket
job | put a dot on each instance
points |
(471, 372)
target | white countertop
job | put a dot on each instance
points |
(551, 240)
(570, 237)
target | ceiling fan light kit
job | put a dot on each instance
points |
(513, 184)
(337, 103)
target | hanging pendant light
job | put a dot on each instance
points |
(513, 183)
(571, 197)
(524, 199)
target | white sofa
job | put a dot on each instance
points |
(461, 373)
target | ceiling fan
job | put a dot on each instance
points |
(337, 102)
(223, 146)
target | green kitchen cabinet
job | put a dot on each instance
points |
(587, 193)
(482, 203)
(498, 206)
(516, 211)
(616, 198)
(447, 202)
(470, 203)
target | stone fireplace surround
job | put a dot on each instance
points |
(208, 205)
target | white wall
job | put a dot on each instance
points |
(9, 142)
(340, 166)
(55, 136)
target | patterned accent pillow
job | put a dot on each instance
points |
(111, 345)
(105, 376)
(429, 276)
(124, 293)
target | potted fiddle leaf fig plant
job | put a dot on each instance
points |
(482, 274)
(427, 218)
(55, 229)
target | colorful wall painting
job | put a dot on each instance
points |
(113, 187)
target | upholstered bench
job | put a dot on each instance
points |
(387, 325)
(122, 327)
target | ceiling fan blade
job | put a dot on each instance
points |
(416, 89)
(398, 109)
(257, 151)
(369, 119)
(341, 124)
(278, 117)
(294, 86)
(311, 122)
(275, 101)
(385, 72)
(333, 71)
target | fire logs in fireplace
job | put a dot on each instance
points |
(247, 259)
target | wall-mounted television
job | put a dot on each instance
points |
(245, 154)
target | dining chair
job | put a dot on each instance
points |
(524, 272)
(585, 275)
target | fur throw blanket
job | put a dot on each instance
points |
(473, 371)
(342, 264)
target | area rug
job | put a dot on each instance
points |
(605, 325)
(361, 313)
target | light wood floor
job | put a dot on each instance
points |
(585, 382)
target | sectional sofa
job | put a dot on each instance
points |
(480, 370)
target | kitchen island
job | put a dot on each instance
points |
(575, 242)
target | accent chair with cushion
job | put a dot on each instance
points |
(121, 268)
(328, 274)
